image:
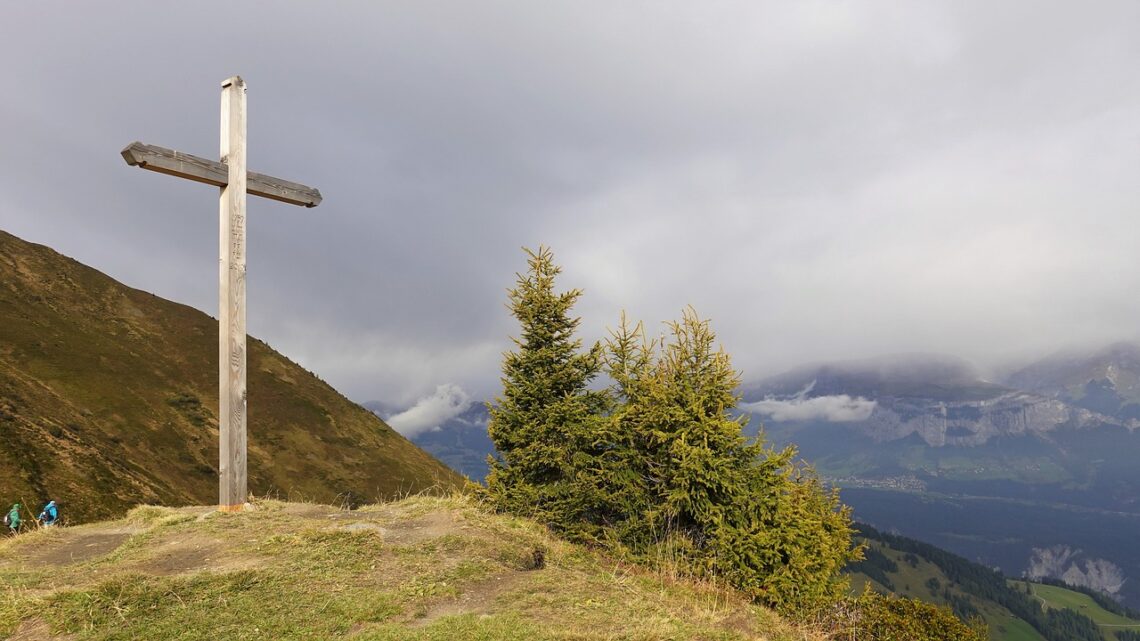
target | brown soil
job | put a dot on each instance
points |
(478, 598)
(79, 545)
(179, 557)
(431, 526)
(37, 630)
(173, 553)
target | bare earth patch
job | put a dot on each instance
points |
(37, 630)
(412, 531)
(477, 598)
(180, 557)
(79, 545)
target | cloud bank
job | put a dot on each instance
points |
(824, 180)
(840, 408)
(448, 402)
(836, 409)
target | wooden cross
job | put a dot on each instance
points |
(235, 181)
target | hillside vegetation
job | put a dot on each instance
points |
(421, 568)
(913, 569)
(1114, 622)
(108, 398)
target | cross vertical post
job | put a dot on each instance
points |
(231, 302)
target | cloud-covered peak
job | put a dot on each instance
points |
(446, 403)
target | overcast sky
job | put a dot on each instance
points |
(823, 180)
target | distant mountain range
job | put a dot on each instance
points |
(1002, 471)
(1007, 472)
(1069, 419)
(108, 399)
(944, 402)
(1106, 381)
(1065, 422)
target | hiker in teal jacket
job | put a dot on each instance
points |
(49, 515)
(14, 518)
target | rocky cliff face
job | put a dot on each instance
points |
(1106, 381)
(945, 403)
(972, 423)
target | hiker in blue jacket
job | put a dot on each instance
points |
(50, 514)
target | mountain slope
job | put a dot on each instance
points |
(108, 398)
(914, 569)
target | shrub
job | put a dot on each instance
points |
(875, 617)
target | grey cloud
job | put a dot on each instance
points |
(825, 180)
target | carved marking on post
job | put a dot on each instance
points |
(235, 181)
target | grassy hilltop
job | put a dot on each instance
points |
(420, 568)
(108, 398)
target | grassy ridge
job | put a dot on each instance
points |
(916, 577)
(1052, 596)
(108, 398)
(1049, 613)
(422, 568)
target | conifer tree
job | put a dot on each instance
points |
(684, 486)
(658, 467)
(545, 412)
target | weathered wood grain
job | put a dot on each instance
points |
(232, 489)
(212, 172)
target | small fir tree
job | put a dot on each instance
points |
(543, 416)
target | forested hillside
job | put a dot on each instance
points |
(1013, 609)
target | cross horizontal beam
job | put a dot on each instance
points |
(212, 172)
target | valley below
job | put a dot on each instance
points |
(1016, 536)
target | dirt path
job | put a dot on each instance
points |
(477, 598)
(77, 545)
(37, 630)
(167, 553)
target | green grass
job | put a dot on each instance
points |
(912, 581)
(424, 568)
(1057, 597)
(1006, 627)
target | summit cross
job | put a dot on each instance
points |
(235, 181)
